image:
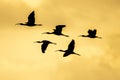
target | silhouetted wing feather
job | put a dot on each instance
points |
(59, 28)
(94, 32)
(31, 18)
(71, 46)
(90, 32)
(44, 47)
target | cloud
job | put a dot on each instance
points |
(79, 15)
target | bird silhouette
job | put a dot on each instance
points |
(57, 31)
(31, 20)
(70, 49)
(91, 34)
(44, 45)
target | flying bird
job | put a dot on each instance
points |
(44, 45)
(31, 20)
(91, 34)
(70, 49)
(57, 31)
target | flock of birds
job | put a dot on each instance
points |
(57, 31)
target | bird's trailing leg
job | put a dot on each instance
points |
(65, 35)
(99, 37)
(76, 54)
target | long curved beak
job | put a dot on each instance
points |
(38, 24)
(83, 36)
(37, 42)
(54, 43)
(99, 37)
(46, 33)
(80, 36)
(20, 24)
(56, 50)
(60, 50)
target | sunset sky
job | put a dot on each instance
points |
(22, 59)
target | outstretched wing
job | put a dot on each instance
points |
(58, 29)
(44, 47)
(71, 46)
(94, 32)
(89, 32)
(31, 18)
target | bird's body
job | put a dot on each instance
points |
(91, 34)
(70, 49)
(57, 31)
(31, 20)
(44, 45)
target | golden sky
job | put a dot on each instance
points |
(21, 59)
